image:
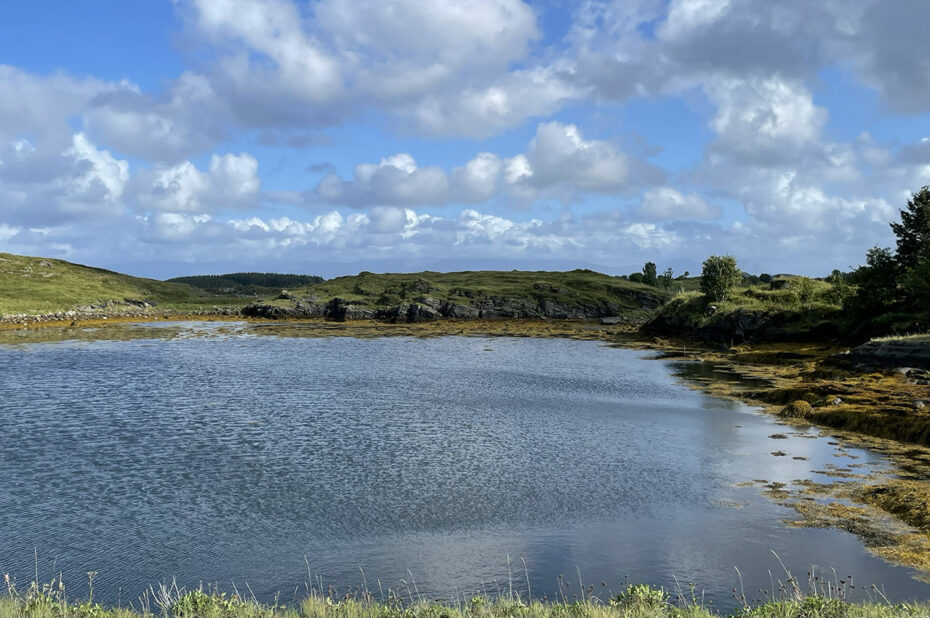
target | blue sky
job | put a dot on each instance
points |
(164, 138)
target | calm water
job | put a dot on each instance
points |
(151, 453)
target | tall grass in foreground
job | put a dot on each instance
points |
(636, 601)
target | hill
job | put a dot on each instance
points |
(56, 289)
(470, 294)
(32, 285)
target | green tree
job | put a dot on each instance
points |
(665, 279)
(649, 274)
(719, 276)
(877, 283)
(913, 231)
(802, 288)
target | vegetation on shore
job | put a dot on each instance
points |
(824, 599)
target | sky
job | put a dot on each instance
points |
(164, 138)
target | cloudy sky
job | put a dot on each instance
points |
(162, 138)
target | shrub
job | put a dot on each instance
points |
(719, 276)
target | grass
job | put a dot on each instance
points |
(800, 309)
(825, 599)
(31, 285)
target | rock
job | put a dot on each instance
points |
(797, 409)
(836, 401)
(547, 287)
(920, 405)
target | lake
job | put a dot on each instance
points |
(227, 453)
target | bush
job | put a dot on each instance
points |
(719, 276)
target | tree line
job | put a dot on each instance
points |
(236, 282)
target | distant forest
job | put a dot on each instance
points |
(243, 282)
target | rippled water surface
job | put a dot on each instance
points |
(147, 453)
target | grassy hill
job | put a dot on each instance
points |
(577, 293)
(35, 285)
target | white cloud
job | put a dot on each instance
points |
(665, 204)
(559, 162)
(395, 181)
(231, 182)
(765, 118)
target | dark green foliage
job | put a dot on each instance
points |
(234, 282)
(665, 279)
(637, 278)
(913, 231)
(765, 278)
(719, 276)
(649, 274)
(893, 288)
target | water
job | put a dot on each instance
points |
(153, 452)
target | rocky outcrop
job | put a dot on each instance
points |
(428, 308)
(891, 353)
(738, 326)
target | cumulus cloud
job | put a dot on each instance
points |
(558, 162)
(39, 186)
(231, 182)
(665, 203)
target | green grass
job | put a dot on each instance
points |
(802, 306)
(34, 285)
(636, 601)
(572, 287)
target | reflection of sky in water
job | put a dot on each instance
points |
(218, 456)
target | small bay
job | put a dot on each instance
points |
(230, 454)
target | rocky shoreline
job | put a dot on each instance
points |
(109, 310)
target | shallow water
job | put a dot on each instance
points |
(211, 453)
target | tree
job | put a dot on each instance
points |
(913, 231)
(649, 274)
(719, 276)
(665, 279)
(637, 278)
(877, 283)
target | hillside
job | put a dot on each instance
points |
(789, 308)
(32, 285)
(471, 294)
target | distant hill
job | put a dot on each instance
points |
(247, 283)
